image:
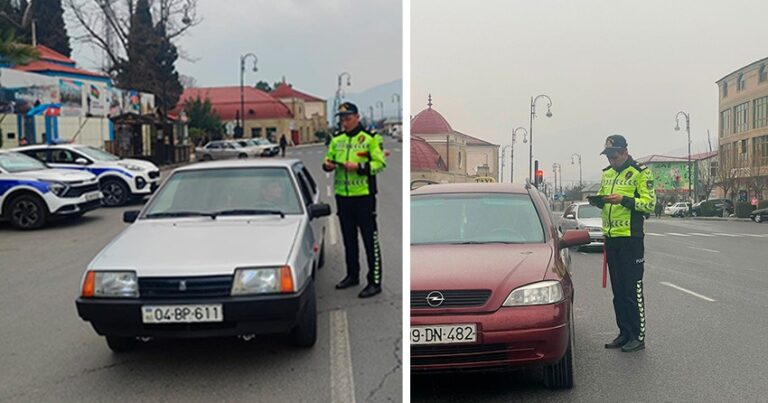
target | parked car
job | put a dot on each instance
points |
(225, 149)
(490, 286)
(31, 192)
(712, 207)
(120, 179)
(679, 209)
(264, 147)
(582, 215)
(223, 249)
(759, 216)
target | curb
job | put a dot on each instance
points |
(721, 219)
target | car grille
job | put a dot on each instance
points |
(154, 174)
(453, 298)
(460, 354)
(195, 287)
(77, 191)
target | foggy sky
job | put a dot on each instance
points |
(308, 41)
(609, 66)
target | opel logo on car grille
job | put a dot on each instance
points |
(183, 285)
(435, 299)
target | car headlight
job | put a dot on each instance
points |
(262, 280)
(541, 293)
(111, 284)
(132, 167)
(56, 188)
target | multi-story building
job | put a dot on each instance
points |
(743, 130)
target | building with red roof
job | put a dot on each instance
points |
(53, 63)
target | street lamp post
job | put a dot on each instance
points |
(581, 185)
(530, 129)
(512, 159)
(503, 153)
(243, 58)
(396, 98)
(688, 130)
(337, 98)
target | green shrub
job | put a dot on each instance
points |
(743, 209)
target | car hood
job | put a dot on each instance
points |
(61, 175)
(200, 246)
(144, 164)
(496, 267)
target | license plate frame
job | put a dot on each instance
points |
(92, 196)
(448, 334)
(182, 313)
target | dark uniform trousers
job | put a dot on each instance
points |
(359, 213)
(626, 262)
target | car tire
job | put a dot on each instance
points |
(27, 212)
(304, 334)
(321, 259)
(206, 157)
(758, 218)
(560, 374)
(242, 156)
(695, 214)
(121, 344)
(116, 192)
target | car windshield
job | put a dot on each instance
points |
(226, 191)
(17, 162)
(588, 211)
(97, 154)
(468, 218)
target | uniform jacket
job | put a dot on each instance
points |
(635, 183)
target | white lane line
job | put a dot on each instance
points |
(328, 191)
(677, 287)
(342, 382)
(334, 231)
(754, 235)
(724, 234)
(701, 234)
(676, 234)
(397, 150)
(653, 234)
(583, 253)
(705, 249)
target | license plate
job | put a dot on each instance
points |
(182, 313)
(444, 334)
(92, 196)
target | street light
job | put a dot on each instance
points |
(503, 153)
(557, 168)
(530, 128)
(337, 98)
(512, 158)
(581, 185)
(241, 121)
(688, 130)
(396, 96)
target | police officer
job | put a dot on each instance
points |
(628, 193)
(356, 156)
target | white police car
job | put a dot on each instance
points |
(31, 192)
(120, 179)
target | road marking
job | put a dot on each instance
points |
(653, 234)
(677, 287)
(705, 249)
(724, 234)
(328, 191)
(583, 253)
(334, 231)
(754, 235)
(397, 150)
(342, 382)
(701, 234)
(676, 234)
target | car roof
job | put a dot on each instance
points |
(471, 187)
(44, 146)
(237, 163)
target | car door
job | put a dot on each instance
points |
(229, 150)
(568, 221)
(214, 150)
(309, 196)
(67, 159)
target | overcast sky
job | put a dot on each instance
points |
(308, 41)
(609, 66)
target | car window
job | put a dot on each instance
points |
(213, 190)
(589, 211)
(474, 218)
(96, 154)
(569, 210)
(304, 186)
(18, 162)
(213, 146)
(310, 179)
(63, 156)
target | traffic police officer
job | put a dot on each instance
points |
(628, 193)
(355, 155)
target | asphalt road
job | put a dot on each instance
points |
(705, 287)
(48, 354)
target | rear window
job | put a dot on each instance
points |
(588, 211)
(469, 218)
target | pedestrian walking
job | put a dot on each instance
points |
(356, 156)
(659, 208)
(283, 145)
(627, 196)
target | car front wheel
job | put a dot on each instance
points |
(305, 332)
(560, 374)
(121, 344)
(27, 212)
(115, 192)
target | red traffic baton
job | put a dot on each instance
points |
(605, 266)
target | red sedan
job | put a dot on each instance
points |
(490, 287)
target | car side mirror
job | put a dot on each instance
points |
(570, 216)
(81, 161)
(318, 210)
(130, 216)
(573, 238)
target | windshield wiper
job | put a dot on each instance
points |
(181, 214)
(249, 212)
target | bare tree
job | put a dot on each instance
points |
(728, 171)
(757, 174)
(187, 81)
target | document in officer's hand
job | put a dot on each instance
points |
(594, 200)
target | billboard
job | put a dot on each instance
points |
(671, 177)
(21, 91)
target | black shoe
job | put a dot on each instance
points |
(633, 345)
(618, 342)
(347, 282)
(370, 291)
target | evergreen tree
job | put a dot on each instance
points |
(49, 23)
